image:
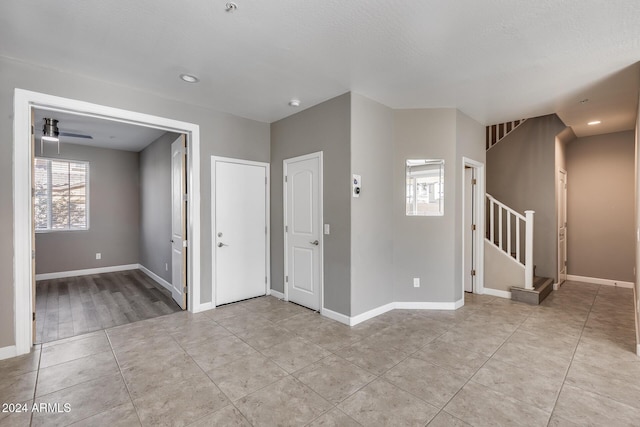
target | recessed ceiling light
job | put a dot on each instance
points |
(595, 122)
(294, 103)
(189, 78)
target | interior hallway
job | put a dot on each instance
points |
(570, 361)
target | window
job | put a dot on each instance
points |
(425, 187)
(61, 199)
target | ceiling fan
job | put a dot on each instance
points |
(50, 132)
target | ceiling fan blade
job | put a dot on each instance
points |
(75, 135)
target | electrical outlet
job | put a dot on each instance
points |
(98, 255)
(416, 282)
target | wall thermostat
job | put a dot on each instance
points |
(357, 185)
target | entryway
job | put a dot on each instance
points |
(472, 226)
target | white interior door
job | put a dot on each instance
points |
(303, 229)
(240, 217)
(468, 230)
(178, 221)
(562, 226)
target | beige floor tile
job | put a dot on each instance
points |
(295, 354)
(284, 403)
(431, 383)
(304, 321)
(157, 348)
(372, 356)
(520, 383)
(76, 371)
(331, 336)
(407, 336)
(199, 332)
(142, 379)
(263, 337)
(180, 403)
(477, 338)
(244, 322)
(480, 406)
(622, 386)
(16, 416)
(557, 421)
(334, 378)
(85, 400)
(246, 375)
(64, 352)
(334, 418)
(21, 364)
(381, 404)
(444, 419)
(589, 409)
(453, 357)
(121, 416)
(212, 354)
(17, 388)
(228, 416)
(226, 311)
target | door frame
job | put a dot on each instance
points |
(24, 101)
(478, 219)
(320, 156)
(267, 167)
(561, 171)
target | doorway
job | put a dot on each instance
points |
(24, 276)
(472, 226)
(240, 227)
(562, 227)
(303, 238)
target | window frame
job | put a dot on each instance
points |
(49, 182)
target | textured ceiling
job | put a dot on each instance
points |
(495, 60)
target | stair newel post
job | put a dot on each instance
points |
(528, 250)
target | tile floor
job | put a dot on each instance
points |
(264, 362)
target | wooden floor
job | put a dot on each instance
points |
(77, 305)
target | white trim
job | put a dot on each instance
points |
(479, 220)
(203, 307)
(8, 352)
(638, 350)
(320, 156)
(338, 317)
(275, 294)
(497, 293)
(597, 281)
(155, 277)
(24, 101)
(371, 313)
(86, 272)
(267, 218)
(556, 286)
(409, 305)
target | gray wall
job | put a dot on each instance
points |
(521, 173)
(155, 206)
(424, 246)
(221, 134)
(600, 206)
(637, 228)
(114, 194)
(470, 143)
(324, 127)
(372, 212)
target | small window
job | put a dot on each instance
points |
(425, 187)
(61, 201)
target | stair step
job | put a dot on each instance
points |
(542, 287)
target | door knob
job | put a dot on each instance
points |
(222, 244)
(315, 242)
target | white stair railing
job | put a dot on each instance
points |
(505, 229)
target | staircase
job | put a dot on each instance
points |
(495, 133)
(511, 234)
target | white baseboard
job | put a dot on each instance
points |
(497, 293)
(426, 305)
(86, 272)
(155, 277)
(371, 314)
(638, 350)
(8, 352)
(597, 281)
(338, 317)
(203, 307)
(276, 294)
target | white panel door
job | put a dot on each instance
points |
(303, 224)
(562, 226)
(240, 206)
(469, 234)
(178, 222)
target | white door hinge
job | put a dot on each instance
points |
(185, 244)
